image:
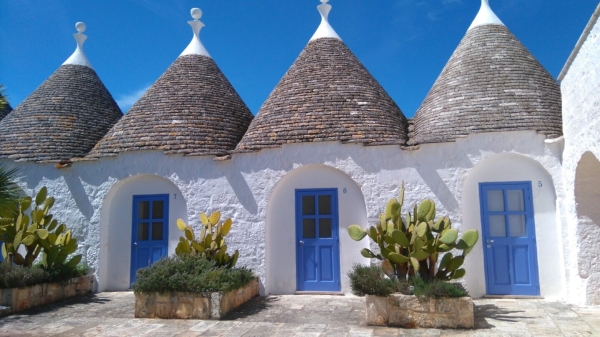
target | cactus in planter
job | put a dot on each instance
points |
(211, 242)
(413, 244)
(38, 233)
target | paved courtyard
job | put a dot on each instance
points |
(111, 314)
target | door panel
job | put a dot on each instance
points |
(317, 247)
(150, 231)
(509, 238)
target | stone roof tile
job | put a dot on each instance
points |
(491, 83)
(327, 95)
(192, 109)
(62, 119)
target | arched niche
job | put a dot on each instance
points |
(280, 224)
(587, 188)
(587, 199)
(507, 167)
(116, 226)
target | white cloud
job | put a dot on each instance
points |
(126, 101)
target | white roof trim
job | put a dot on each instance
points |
(325, 30)
(196, 47)
(78, 57)
(485, 16)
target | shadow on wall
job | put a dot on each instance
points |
(587, 188)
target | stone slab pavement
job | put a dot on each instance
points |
(111, 314)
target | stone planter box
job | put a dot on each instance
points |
(420, 312)
(19, 299)
(193, 305)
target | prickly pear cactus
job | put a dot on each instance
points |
(38, 233)
(211, 242)
(413, 244)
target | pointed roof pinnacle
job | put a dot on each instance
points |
(485, 16)
(325, 29)
(78, 57)
(196, 47)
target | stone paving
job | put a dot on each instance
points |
(111, 314)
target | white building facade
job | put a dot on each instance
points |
(530, 193)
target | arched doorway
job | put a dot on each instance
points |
(307, 209)
(510, 199)
(138, 227)
(587, 199)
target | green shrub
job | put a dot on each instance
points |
(210, 245)
(192, 274)
(36, 232)
(13, 276)
(437, 288)
(61, 272)
(370, 280)
(416, 244)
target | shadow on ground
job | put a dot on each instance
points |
(484, 312)
(253, 307)
(28, 316)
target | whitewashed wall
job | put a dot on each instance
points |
(94, 198)
(581, 120)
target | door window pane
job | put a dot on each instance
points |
(144, 210)
(157, 209)
(325, 204)
(157, 231)
(516, 203)
(497, 225)
(308, 229)
(324, 228)
(308, 205)
(517, 225)
(495, 201)
(143, 231)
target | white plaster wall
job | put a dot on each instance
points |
(512, 167)
(241, 188)
(281, 224)
(581, 126)
(116, 226)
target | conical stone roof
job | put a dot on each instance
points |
(327, 95)
(62, 119)
(491, 83)
(191, 109)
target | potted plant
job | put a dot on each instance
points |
(417, 251)
(29, 231)
(200, 281)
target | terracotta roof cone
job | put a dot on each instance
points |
(192, 109)
(491, 83)
(327, 95)
(64, 117)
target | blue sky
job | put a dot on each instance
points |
(403, 43)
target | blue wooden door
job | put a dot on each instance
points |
(509, 238)
(149, 241)
(317, 244)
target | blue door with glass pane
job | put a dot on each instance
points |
(150, 230)
(317, 244)
(509, 238)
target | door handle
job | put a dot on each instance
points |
(301, 242)
(135, 243)
(490, 241)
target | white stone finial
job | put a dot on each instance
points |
(196, 13)
(485, 16)
(80, 26)
(325, 29)
(78, 57)
(196, 47)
